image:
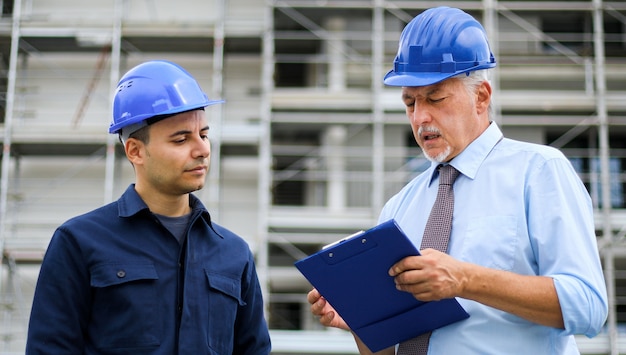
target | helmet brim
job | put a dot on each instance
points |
(419, 79)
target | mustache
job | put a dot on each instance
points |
(428, 129)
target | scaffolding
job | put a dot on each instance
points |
(309, 144)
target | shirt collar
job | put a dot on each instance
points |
(469, 160)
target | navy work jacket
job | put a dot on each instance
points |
(116, 281)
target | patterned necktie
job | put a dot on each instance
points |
(436, 236)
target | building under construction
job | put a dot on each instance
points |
(309, 144)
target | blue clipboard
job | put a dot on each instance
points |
(352, 275)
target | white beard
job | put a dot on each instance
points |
(439, 158)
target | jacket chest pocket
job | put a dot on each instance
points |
(124, 309)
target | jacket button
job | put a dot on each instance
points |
(121, 273)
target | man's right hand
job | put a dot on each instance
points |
(326, 313)
(329, 318)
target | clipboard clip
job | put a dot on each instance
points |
(342, 240)
(347, 248)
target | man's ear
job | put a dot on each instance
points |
(134, 149)
(483, 97)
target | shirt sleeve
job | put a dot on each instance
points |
(59, 311)
(562, 232)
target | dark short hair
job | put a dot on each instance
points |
(142, 134)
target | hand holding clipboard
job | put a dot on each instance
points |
(352, 275)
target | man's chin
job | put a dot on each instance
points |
(192, 188)
(438, 158)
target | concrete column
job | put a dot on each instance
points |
(334, 152)
(335, 51)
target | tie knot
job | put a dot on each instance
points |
(447, 174)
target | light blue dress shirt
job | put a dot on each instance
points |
(519, 207)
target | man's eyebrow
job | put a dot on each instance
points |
(183, 131)
(180, 133)
(433, 91)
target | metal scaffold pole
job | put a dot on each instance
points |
(378, 116)
(116, 39)
(265, 157)
(491, 26)
(216, 114)
(603, 137)
(8, 125)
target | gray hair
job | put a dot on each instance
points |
(472, 80)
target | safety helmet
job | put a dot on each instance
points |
(154, 88)
(438, 44)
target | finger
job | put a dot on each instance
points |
(327, 319)
(429, 251)
(393, 271)
(409, 278)
(317, 308)
(406, 264)
(313, 296)
(397, 268)
(417, 262)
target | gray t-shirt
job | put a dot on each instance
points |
(176, 225)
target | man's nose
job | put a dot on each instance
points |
(419, 115)
(202, 148)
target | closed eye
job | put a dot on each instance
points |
(434, 101)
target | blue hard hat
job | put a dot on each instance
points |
(438, 44)
(155, 88)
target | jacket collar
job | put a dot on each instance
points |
(131, 204)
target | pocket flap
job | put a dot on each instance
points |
(225, 284)
(109, 274)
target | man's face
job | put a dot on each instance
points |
(176, 158)
(445, 118)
